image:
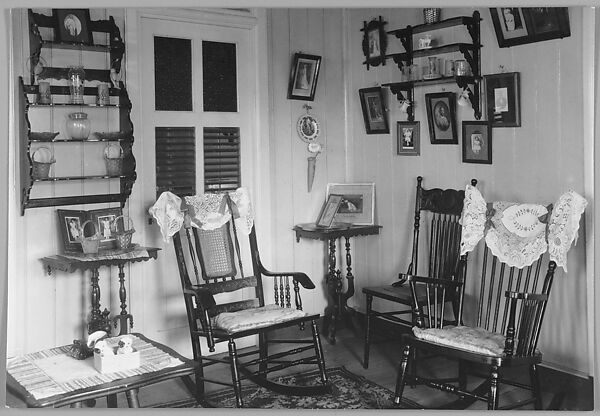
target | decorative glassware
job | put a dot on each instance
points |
(78, 126)
(76, 79)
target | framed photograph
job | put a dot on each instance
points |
(102, 219)
(521, 25)
(476, 142)
(408, 138)
(503, 98)
(441, 117)
(69, 224)
(358, 202)
(330, 208)
(73, 26)
(374, 42)
(371, 102)
(303, 77)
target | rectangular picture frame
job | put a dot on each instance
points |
(503, 99)
(477, 142)
(522, 25)
(303, 77)
(408, 140)
(102, 219)
(373, 109)
(374, 42)
(69, 224)
(441, 117)
(358, 202)
(330, 208)
(73, 26)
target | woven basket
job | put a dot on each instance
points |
(124, 233)
(90, 244)
(432, 15)
(113, 156)
(41, 161)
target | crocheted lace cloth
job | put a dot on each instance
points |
(210, 211)
(564, 225)
(524, 245)
(519, 233)
(167, 213)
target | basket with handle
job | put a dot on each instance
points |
(89, 244)
(41, 161)
(432, 15)
(113, 156)
(123, 231)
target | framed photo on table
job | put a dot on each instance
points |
(371, 102)
(476, 142)
(358, 202)
(521, 25)
(503, 98)
(330, 208)
(441, 117)
(303, 77)
(69, 224)
(73, 26)
(102, 219)
(408, 138)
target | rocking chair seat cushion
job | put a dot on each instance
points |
(255, 318)
(476, 340)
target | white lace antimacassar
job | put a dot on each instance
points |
(472, 219)
(510, 247)
(209, 211)
(168, 215)
(564, 225)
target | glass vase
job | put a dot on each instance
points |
(76, 79)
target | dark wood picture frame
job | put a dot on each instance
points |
(373, 109)
(503, 99)
(73, 26)
(521, 25)
(69, 223)
(330, 208)
(441, 117)
(477, 142)
(408, 140)
(374, 42)
(303, 77)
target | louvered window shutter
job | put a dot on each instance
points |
(175, 160)
(221, 158)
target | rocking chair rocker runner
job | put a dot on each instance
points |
(511, 303)
(439, 210)
(213, 256)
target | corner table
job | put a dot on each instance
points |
(337, 309)
(51, 378)
(69, 262)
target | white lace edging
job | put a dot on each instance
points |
(168, 215)
(472, 219)
(564, 226)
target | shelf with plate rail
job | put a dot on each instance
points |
(404, 90)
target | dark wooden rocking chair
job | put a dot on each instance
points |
(509, 317)
(439, 210)
(211, 256)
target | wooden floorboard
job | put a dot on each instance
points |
(561, 391)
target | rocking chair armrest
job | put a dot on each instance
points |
(204, 298)
(526, 295)
(430, 280)
(299, 277)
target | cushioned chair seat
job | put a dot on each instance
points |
(255, 318)
(476, 340)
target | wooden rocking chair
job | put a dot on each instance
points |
(211, 258)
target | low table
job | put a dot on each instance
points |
(51, 378)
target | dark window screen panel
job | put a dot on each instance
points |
(175, 160)
(221, 159)
(172, 74)
(219, 73)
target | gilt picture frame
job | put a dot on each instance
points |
(358, 202)
(303, 77)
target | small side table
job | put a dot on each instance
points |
(51, 378)
(337, 308)
(71, 262)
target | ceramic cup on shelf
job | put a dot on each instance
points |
(461, 67)
(103, 97)
(45, 97)
(78, 126)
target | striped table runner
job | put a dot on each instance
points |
(51, 372)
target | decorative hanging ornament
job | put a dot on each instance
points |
(309, 129)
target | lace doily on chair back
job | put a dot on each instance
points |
(167, 213)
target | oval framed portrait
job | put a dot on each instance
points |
(308, 128)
